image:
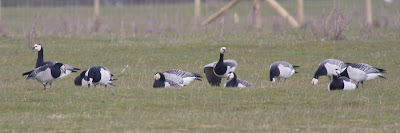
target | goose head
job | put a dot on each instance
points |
(37, 47)
(231, 75)
(336, 72)
(159, 76)
(222, 50)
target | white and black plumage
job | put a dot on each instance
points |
(40, 62)
(219, 69)
(187, 77)
(47, 73)
(341, 82)
(98, 75)
(360, 72)
(175, 76)
(233, 81)
(326, 67)
(281, 69)
(82, 80)
(161, 82)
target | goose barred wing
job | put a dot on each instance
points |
(174, 78)
(232, 64)
(182, 73)
(244, 82)
(34, 73)
(341, 64)
(366, 68)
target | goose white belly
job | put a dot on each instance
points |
(356, 74)
(349, 85)
(187, 80)
(372, 76)
(105, 77)
(285, 72)
(44, 76)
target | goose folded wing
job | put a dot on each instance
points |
(232, 64)
(244, 82)
(211, 77)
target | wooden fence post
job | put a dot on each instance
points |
(256, 14)
(96, 8)
(197, 10)
(283, 13)
(219, 13)
(300, 11)
(368, 11)
(0, 10)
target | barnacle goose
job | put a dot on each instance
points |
(281, 69)
(180, 77)
(326, 67)
(47, 73)
(219, 69)
(98, 75)
(81, 80)
(160, 81)
(360, 72)
(40, 62)
(341, 82)
(233, 81)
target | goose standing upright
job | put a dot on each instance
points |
(40, 62)
(360, 72)
(326, 67)
(47, 73)
(233, 81)
(341, 82)
(281, 69)
(98, 75)
(220, 69)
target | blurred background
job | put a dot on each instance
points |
(316, 19)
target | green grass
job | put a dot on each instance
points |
(134, 106)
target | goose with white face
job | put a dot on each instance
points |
(37, 47)
(215, 71)
(326, 68)
(281, 69)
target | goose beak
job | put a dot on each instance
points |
(33, 48)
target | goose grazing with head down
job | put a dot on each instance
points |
(98, 75)
(80, 80)
(174, 76)
(341, 82)
(327, 67)
(281, 69)
(40, 62)
(219, 69)
(360, 72)
(233, 81)
(47, 73)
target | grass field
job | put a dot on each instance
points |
(134, 106)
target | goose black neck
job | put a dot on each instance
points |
(221, 57)
(344, 73)
(40, 61)
(232, 83)
(321, 71)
